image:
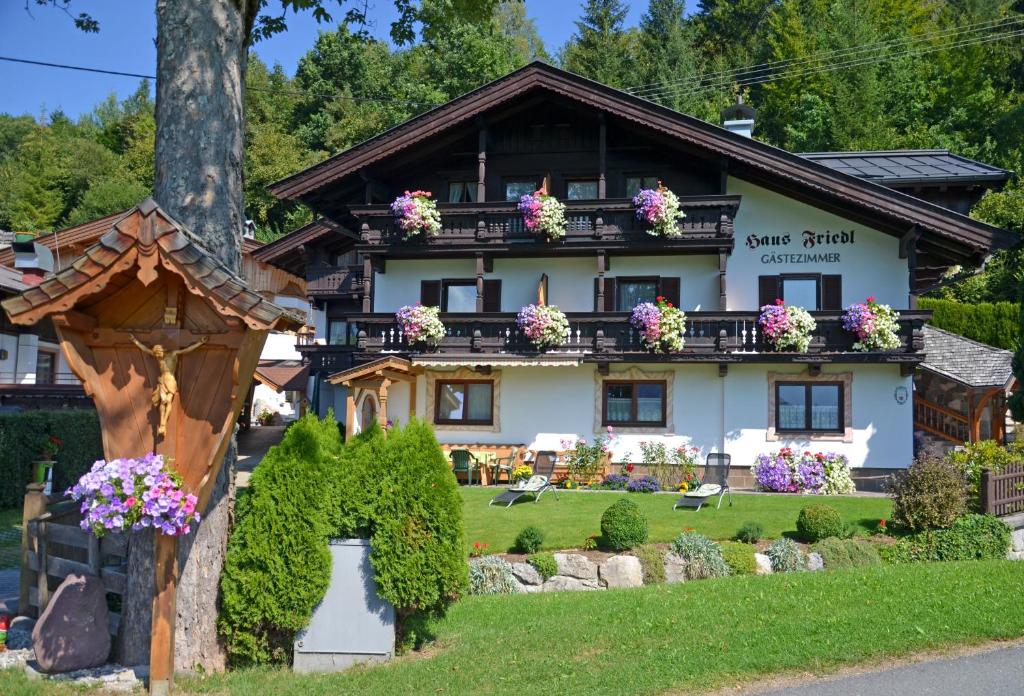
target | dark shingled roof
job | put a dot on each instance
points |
(283, 375)
(966, 361)
(894, 167)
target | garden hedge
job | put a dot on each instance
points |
(994, 323)
(21, 440)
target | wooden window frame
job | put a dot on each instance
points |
(633, 423)
(439, 386)
(808, 406)
(596, 180)
(634, 175)
(619, 280)
(816, 277)
(470, 183)
(456, 282)
(538, 182)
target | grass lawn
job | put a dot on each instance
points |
(566, 522)
(671, 638)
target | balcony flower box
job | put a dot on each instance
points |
(543, 214)
(544, 325)
(786, 328)
(875, 325)
(660, 209)
(420, 324)
(662, 327)
(416, 213)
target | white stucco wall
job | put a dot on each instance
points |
(871, 266)
(8, 365)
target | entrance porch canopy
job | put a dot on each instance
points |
(375, 377)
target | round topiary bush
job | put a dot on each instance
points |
(491, 575)
(545, 564)
(529, 540)
(750, 533)
(740, 558)
(623, 526)
(819, 522)
(931, 494)
(785, 556)
(703, 557)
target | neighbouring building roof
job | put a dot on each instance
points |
(966, 361)
(904, 167)
(283, 375)
(10, 280)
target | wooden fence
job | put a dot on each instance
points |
(55, 547)
(1002, 492)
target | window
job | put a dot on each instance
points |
(517, 188)
(634, 403)
(581, 189)
(635, 183)
(467, 402)
(809, 406)
(800, 291)
(458, 296)
(462, 192)
(46, 367)
(341, 333)
(629, 292)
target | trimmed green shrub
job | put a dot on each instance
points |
(529, 540)
(278, 564)
(970, 538)
(986, 454)
(491, 575)
(623, 526)
(703, 557)
(994, 323)
(819, 522)
(785, 556)
(361, 476)
(740, 558)
(417, 541)
(931, 494)
(545, 564)
(22, 436)
(750, 532)
(846, 553)
(652, 564)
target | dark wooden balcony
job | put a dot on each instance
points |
(334, 281)
(326, 358)
(598, 223)
(710, 337)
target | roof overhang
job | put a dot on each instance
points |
(391, 368)
(282, 375)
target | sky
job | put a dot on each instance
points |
(126, 43)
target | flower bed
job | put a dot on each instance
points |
(134, 494)
(786, 471)
(416, 213)
(659, 208)
(543, 214)
(586, 460)
(545, 325)
(876, 325)
(420, 324)
(786, 327)
(662, 327)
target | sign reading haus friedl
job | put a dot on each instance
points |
(809, 239)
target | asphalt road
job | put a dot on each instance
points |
(994, 673)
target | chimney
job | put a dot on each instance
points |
(33, 259)
(739, 118)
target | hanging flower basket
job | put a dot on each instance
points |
(543, 214)
(416, 213)
(662, 327)
(876, 325)
(133, 494)
(786, 328)
(420, 324)
(659, 208)
(545, 325)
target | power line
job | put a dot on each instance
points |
(823, 55)
(273, 90)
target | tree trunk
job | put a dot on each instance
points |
(200, 135)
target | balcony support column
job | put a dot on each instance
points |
(601, 268)
(723, 261)
(479, 282)
(602, 156)
(908, 251)
(367, 285)
(481, 159)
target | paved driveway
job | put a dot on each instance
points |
(252, 445)
(994, 673)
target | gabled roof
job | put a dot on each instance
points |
(10, 280)
(968, 362)
(886, 208)
(282, 375)
(138, 242)
(905, 167)
(307, 234)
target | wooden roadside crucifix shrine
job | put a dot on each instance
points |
(165, 340)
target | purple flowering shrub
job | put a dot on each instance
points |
(787, 471)
(644, 484)
(134, 494)
(615, 482)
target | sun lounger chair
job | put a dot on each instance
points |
(716, 482)
(536, 485)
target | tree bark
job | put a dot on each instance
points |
(200, 136)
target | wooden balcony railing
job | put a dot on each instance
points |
(709, 336)
(708, 218)
(334, 281)
(940, 421)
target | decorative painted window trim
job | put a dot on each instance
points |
(845, 378)
(635, 374)
(433, 376)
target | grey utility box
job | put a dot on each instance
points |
(352, 624)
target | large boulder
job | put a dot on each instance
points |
(815, 561)
(560, 583)
(764, 564)
(622, 571)
(576, 566)
(73, 632)
(527, 574)
(675, 568)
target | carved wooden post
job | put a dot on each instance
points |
(33, 506)
(602, 149)
(481, 158)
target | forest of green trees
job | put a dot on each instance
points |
(884, 74)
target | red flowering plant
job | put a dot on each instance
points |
(882, 527)
(479, 549)
(51, 445)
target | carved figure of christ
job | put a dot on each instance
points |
(167, 385)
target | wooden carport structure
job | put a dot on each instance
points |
(375, 378)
